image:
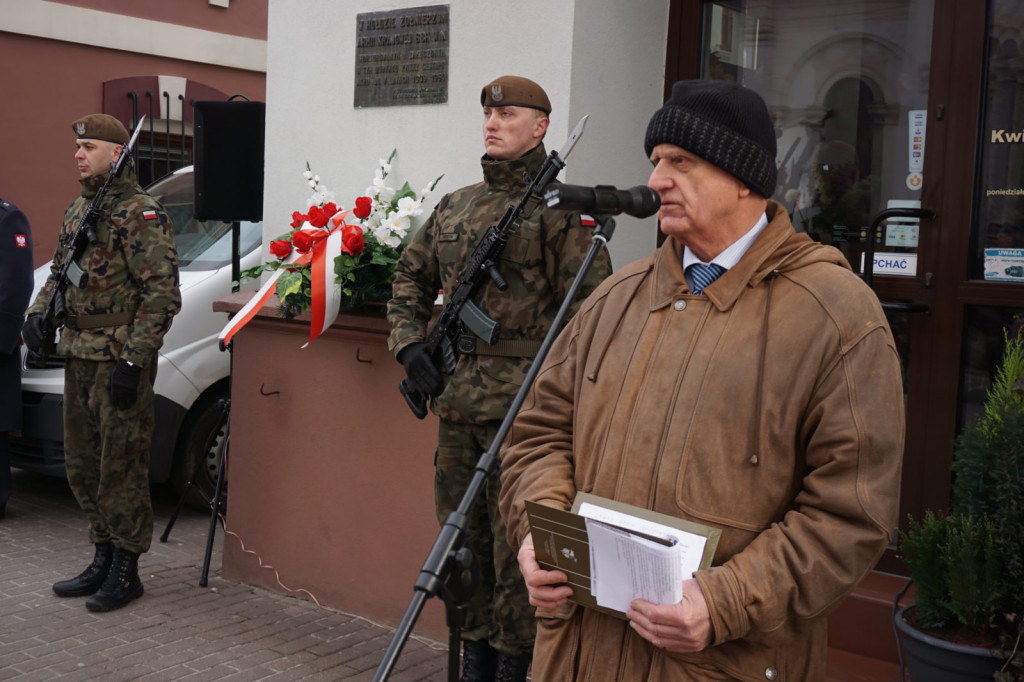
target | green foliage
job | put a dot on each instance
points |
(923, 547)
(293, 289)
(969, 565)
(976, 588)
(366, 276)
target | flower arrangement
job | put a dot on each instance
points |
(366, 265)
(369, 239)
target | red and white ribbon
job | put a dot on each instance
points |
(325, 299)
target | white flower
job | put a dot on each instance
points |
(407, 206)
(307, 174)
(321, 196)
(380, 191)
(398, 223)
(385, 167)
(386, 237)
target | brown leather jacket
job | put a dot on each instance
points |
(771, 408)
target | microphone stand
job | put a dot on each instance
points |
(450, 568)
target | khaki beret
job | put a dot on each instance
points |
(100, 127)
(514, 91)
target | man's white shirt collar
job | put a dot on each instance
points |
(731, 256)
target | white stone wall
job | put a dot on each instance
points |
(602, 57)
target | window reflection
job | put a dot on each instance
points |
(842, 81)
(982, 352)
(998, 238)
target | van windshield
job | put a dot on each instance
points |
(202, 245)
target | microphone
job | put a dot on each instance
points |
(640, 201)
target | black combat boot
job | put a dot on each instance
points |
(122, 584)
(89, 580)
(479, 660)
(513, 668)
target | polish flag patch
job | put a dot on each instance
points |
(21, 241)
(149, 215)
(587, 221)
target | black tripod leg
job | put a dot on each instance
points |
(199, 463)
(455, 615)
(174, 516)
(181, 500)
(215, 502)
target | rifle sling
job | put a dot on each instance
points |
(509, 348)
(97, 321)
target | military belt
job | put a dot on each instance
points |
(96, 321)
(509, 348)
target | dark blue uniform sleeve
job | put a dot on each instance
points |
(15, 273)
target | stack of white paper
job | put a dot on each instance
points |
(627, 566)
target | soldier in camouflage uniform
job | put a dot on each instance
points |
(114, 327)
(539, 262)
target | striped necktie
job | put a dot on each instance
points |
(703, 275)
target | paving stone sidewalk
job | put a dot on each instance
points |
(177, 630)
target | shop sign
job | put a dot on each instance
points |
(893, 264)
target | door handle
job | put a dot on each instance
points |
(904, 306)
(869, 247)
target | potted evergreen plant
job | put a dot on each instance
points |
(968, 564)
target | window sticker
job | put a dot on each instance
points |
(1004, 265)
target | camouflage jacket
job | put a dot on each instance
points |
(540, 262)
(132, 269)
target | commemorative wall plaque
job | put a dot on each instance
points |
(402, 57)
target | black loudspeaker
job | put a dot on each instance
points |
(229, 160)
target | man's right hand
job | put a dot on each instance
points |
(547, 589)
(423, 375)
(33, 332)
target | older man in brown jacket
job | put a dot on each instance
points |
(741, 377)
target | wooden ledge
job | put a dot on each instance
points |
(371, 318)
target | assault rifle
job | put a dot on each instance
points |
(459, 309)
(70, 272)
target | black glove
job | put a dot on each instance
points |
(33, 332)
(124, 384)
(423, 375)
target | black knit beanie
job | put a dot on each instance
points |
(723, 123)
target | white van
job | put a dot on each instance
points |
(193, 374)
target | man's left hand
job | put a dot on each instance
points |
(124, 384)
(681, 628)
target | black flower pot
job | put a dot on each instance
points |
(931, 659)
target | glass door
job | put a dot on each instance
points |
(900, 130)
(993, 284)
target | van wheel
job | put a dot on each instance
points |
(203, 433)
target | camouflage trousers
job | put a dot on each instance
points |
(499, 610)
(106, 451)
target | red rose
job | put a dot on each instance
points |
(297, 219)
(352, 240)
(280, 248)
(303, 241)
(363, 207)
(330, 208)
(317, 216)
